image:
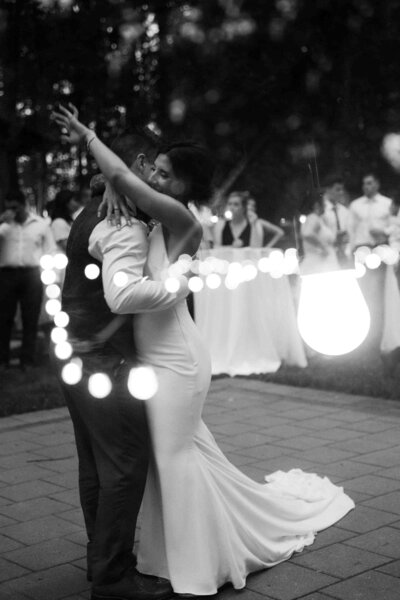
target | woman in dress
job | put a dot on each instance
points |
(204, 522)
(318, 243)
(235, 229)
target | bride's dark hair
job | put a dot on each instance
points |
(193, 164)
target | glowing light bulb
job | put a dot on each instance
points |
(120, 279)
(59, 335)
(333, 317)
(360, 270)
(213, 281)
(63, 350)
(53, 291)
(142, 383)
(249, 272)
(172, 284)
(47, 262)
(228, 215)
(264, 264)
(71, 373)
(60, 261)
(48, 277)
(99, 385)
(373, 261)
(92, 271)
(61, 319)
(195, 284)
(53, 306)
(214, 219)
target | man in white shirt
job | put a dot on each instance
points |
(369, 215)
(336, 216)
(24, 238)
(369, 222)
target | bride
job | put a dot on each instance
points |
(204, 522)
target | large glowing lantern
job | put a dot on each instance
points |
(333, 317)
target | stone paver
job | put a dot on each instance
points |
(261, 427)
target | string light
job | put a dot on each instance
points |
(63, 350)
(53, 291)
(120, 279)
(92, 271)
(172, 284)
(48, 277)
(46, 262)
(99, 385)
(142, 382)
(53, 306)
(60, 261)
(59, 335)
(71, 373)
(61, 319)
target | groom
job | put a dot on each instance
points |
(111, 433)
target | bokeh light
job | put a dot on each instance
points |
(120, 279)
(172, 284)
(142, 382)
(373, 261)
(53, 291)
(71, 373)
(63, 350)
(92, 271)
(48, 277)
(195, 284)
(53, 306)
(59, 335)
(99, 385)
(46, 262)
(61, 319)
(213, 281)
(60, 261)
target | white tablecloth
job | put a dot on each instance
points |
(253, 328)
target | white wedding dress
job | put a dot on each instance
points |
(205, 523)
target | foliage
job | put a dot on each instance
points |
(269, 86)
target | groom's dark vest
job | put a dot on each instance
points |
(90, 318)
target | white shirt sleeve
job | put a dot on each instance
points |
(125, 251)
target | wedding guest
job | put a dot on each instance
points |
(24, 238)
(336, 216)
(235, 228)
(369, 215)
(318, 242)
(269, 229)
(369, 220)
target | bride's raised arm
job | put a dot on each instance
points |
(170, 212)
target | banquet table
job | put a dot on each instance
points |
(252, 328)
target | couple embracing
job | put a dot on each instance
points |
(204, 523)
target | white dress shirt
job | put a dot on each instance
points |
(124, 251)
(369, 217)
(331, 220)
(23, 244)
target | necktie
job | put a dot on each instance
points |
(335, 212)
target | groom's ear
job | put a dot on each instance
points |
(141, 161)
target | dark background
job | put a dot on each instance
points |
(271, 86)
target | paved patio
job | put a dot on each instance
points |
(262, 427)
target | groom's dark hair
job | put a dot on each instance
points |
(129, 144)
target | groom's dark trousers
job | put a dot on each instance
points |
(111, 433)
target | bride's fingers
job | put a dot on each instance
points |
(64, 111)
(126, 214)
(73, 109)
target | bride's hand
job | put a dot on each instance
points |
(113, 205)
(68, 121)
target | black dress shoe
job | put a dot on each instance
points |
(133, 586)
